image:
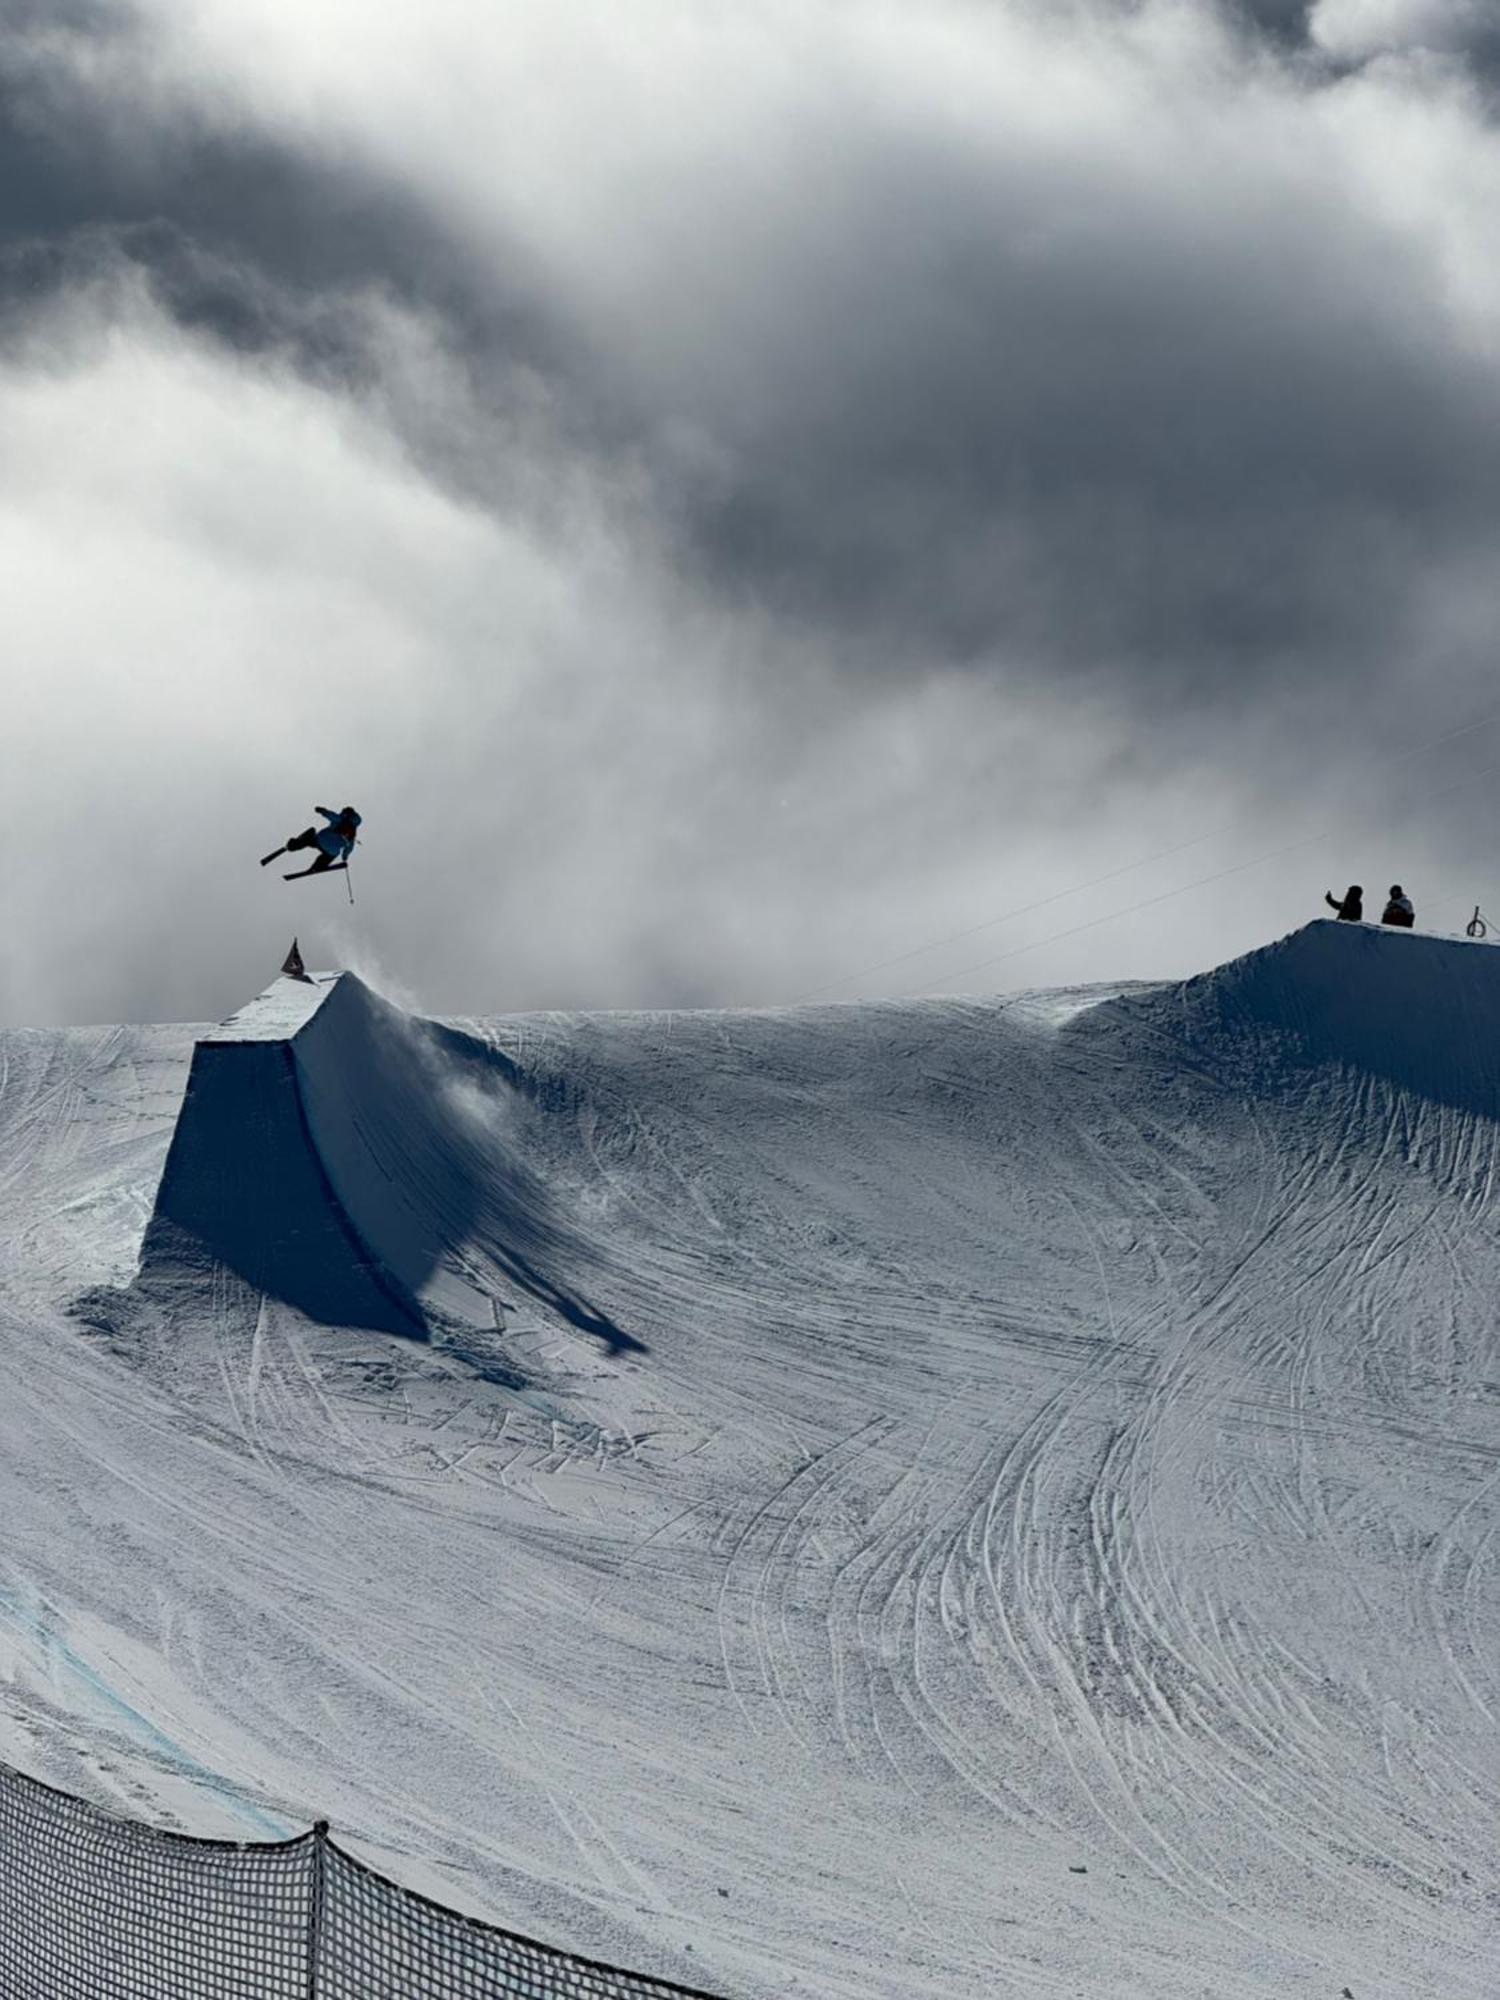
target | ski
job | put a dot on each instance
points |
(332, 868)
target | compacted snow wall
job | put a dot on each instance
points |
(1421, 1012)
(316, 1156)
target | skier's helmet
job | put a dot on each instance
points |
(1395, 890)
(350, 814)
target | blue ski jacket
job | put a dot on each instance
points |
(337, 846)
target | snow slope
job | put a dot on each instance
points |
(923, 1499)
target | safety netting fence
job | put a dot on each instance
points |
(93, 1907)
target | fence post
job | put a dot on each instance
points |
(315, 1914)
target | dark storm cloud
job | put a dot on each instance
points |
(1346, 33)
(996, 411)
(91, 186)
(1200, 437)
(848, 453)
(1285, 18)
(265, 246)
(1171, 447)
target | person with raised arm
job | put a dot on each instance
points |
(1352, 909)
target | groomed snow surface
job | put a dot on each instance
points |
(955, 1498)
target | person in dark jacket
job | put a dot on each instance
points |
(1352, 909)
(1399, 909)
(333, 843)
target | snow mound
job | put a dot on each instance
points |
(1421, 1012)
(319, 1156)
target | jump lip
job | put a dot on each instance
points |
(281, 1012)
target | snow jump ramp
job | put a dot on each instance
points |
(320, 1156)
(1418, 1011)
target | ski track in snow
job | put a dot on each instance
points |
(1044, 1542)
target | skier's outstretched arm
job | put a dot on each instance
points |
(330, 817)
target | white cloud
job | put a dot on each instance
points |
(230, 595)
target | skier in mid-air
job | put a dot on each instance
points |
(1352, 909)
(334, 842)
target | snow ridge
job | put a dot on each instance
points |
(1420, 1012)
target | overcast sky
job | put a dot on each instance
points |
(736, 490)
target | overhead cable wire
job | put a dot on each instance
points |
(1114, 874)
(1203, 881)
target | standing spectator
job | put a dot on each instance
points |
(1352, 909)
(1399, 910)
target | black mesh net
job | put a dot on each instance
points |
(98, 1908)
(377, 1941)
